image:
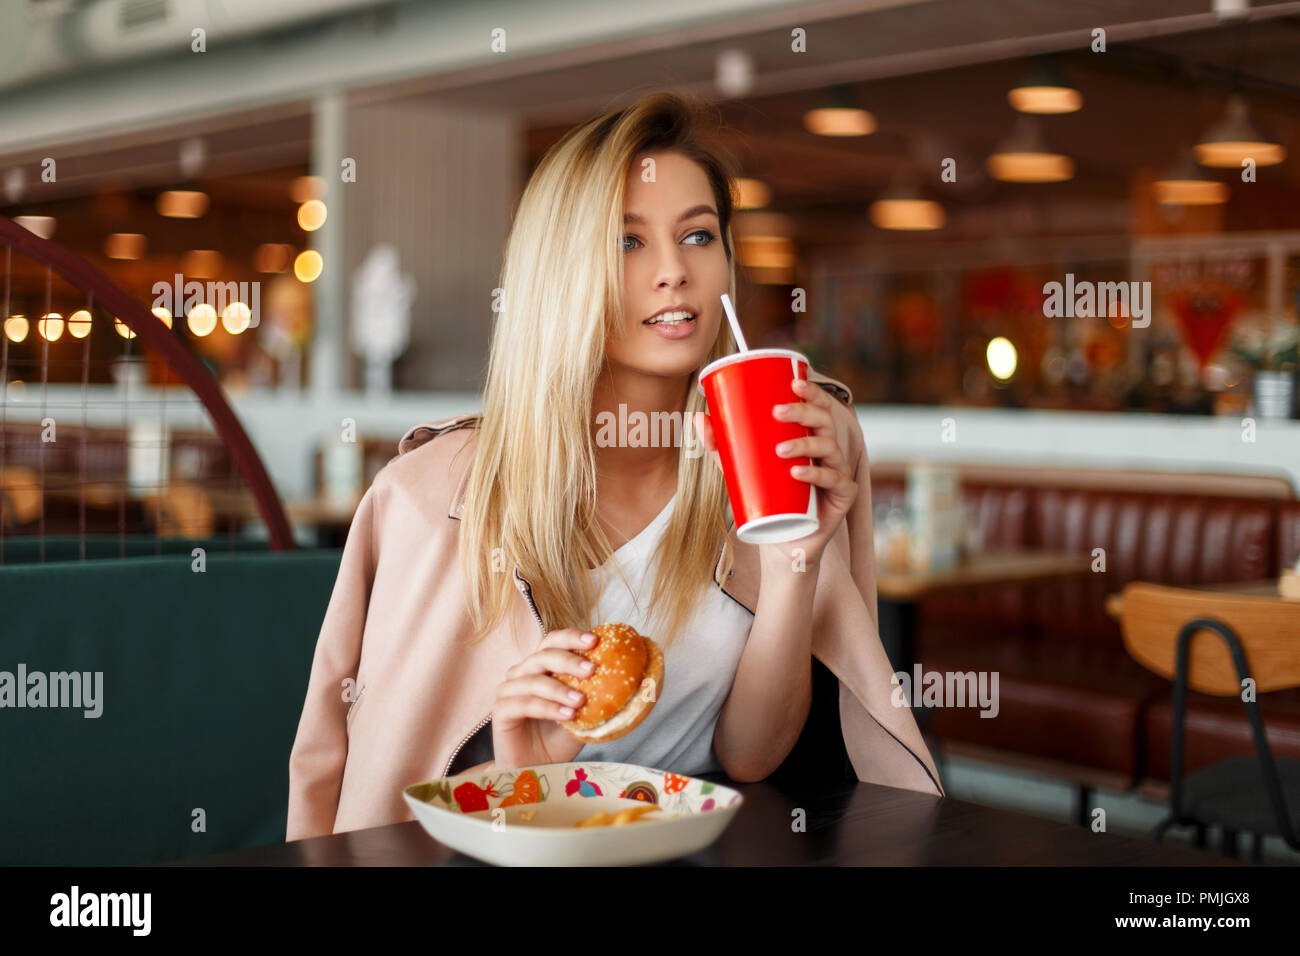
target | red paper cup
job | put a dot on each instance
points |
(770, 505)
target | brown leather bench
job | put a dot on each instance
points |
(1072, 702)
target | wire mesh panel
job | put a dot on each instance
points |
(115, 439)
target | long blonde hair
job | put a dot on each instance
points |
(531, 491)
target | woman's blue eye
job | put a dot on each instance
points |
(708, 238)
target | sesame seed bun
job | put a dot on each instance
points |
(614, 704)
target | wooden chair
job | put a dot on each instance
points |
(1258, 638)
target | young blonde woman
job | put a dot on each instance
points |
(482, 553)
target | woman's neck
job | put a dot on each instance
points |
(638, 422)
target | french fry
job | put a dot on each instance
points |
(603, 819)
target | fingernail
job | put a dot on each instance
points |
(588, 638)
(782, 448)
(778, 410)
(574, 696)
(567, 711)
(588, 666)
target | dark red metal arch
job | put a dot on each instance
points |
(157, 336)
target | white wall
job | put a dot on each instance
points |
(1083, 439)
(285, 431)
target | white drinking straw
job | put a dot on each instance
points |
(735, 323)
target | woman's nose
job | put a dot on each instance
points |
(672, 269)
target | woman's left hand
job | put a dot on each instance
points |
(830, 470)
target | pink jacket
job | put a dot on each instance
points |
(396, 621)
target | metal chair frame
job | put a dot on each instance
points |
(1178, 816)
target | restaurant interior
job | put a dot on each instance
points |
(1060, 483)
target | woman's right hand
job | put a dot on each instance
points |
(530, 703)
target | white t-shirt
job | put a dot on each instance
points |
(699, 666)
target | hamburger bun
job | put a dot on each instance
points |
(614, 704)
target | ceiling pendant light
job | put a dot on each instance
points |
(902, 206)
(1044, 90)
(842, 116)
(182, 204)
(1184, 185)
(1023, 158)
(1234, 139)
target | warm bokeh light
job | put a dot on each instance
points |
(202, 319)
(50, 326)
(307, 267)
(1001, 358)
(164, 316)
(202, 263)
(1045, 99)
(79, 324)
(1190, 192)
(754, 194)
(16, 328)
(839, 121)
(910, 214)
(766, 252)
(307, 187)
(236, 317)
(124, 245)
(272, 257)
(42, 226)
(122, 329)
(1030, 167)
(1234, 139)
(1230, 153)
(182, 204)
(1119, 316)
(311, 215)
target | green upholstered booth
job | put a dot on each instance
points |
(28, 549)
(203, 679)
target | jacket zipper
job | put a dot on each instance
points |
(528, 592)
(460, 746)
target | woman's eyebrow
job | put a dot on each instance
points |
(701, 210)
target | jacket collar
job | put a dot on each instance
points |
(741, 584)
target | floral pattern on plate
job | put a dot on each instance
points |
(674, 793)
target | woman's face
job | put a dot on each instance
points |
(672, 256)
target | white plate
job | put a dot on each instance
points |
(485, 815)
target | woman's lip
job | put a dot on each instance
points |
(678, 330)
(661, 315)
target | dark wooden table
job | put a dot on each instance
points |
(857, 824)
